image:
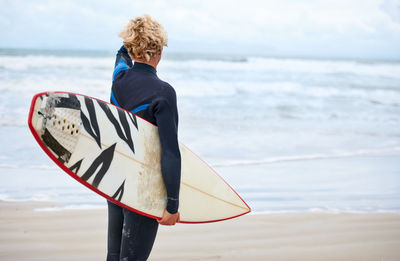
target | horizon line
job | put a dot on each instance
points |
(200, 54)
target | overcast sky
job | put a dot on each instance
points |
(327, 28)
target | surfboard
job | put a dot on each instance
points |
(117, 155)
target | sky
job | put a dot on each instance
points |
(304, 28)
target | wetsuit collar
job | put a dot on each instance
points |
(142, 67)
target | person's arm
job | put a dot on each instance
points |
(122, 62)
(165, 112)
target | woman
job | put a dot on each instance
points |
(137, 88)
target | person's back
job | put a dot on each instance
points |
(144, 88)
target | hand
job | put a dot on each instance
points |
(169, 219)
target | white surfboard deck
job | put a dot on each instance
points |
(117, 155)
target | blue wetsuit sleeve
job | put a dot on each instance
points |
(165, 112)
(122, 62)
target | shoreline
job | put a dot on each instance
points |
(27, 234)
(52, 206)
(297, 186)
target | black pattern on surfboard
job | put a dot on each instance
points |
(119, 193)
(63, 154)
(124, 135)
(101, 164)
(75, 168)
(70, 102)
(133, 119)
(100, 175)
(104, 160)
(91, 126)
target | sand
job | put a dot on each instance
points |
(28, 234)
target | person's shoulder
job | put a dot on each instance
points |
(167, 90)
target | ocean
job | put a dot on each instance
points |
(289, 134)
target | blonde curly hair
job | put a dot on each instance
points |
(144, 37)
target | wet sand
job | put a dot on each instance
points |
(27, 234)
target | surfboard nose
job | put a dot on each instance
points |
(56, 126)
(205, 196)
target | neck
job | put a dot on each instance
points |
(153, 61)
(154, 65)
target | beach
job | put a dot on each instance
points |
(294, 104)
(29, 234)
(311, 145)
(288, 134)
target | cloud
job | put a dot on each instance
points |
(292, 27)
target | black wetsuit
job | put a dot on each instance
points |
(137, 88)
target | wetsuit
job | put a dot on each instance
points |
(137, 88)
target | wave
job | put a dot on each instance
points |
(254, 212)
(279, 65)
(284, 91)
(72, 207)
(21, 166)
(208, 63)
(365, 152)
(232, 163)
(23, 52)
(22, 198)
(59, 207)
(389, 69)
(29, 63)
(325, 211)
